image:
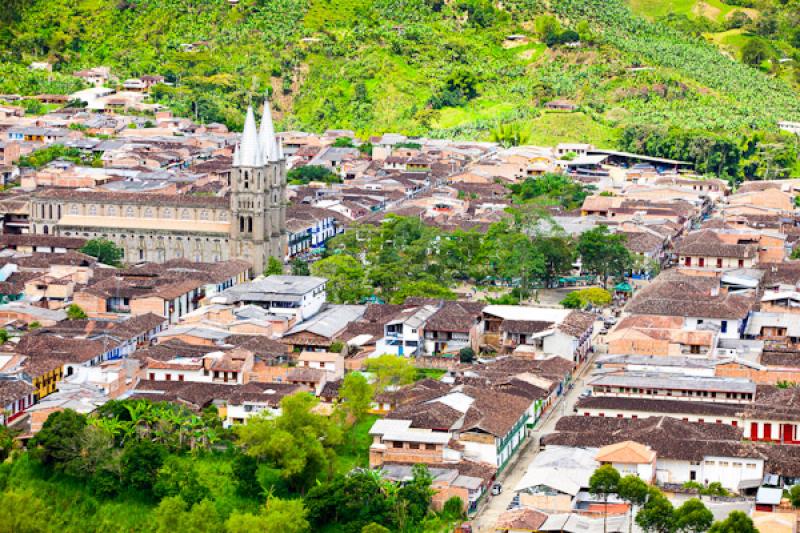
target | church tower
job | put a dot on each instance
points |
(258, 192)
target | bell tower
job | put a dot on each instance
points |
(258, 192)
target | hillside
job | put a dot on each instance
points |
(416, 66)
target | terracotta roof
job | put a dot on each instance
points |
(521, 519)
(577, 323)
(12, 390)
(627, 452)
(176, 200)
(493, 412)
(527, 327)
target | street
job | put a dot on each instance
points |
(496, 505)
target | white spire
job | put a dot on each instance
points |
(266, 136)
(248, 152)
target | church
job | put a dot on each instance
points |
(249, 224)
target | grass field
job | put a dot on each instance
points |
(713, 9)
(552, 128)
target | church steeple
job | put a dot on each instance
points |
(248, 153)
(266, 135)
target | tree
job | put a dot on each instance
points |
(300, 267)
(425, 289)
(604, 482)
(693, 517)
(104, 250)
(343, 142)
(509, 135)
(59, 440)
(794, 495)
(416, 495)
(24, 512)
(657, 515)
(173, 515)
(354, 501)
(274, 267)
(74, 312)
(466, 355)
(345, 278)
(453, 508)
(375, 528)
(3, 335)
(179, 478)
(737, 522)
(604, 253)
(633, 490)
(308, 173)
(391, 371)
(245, 469)
(277, 516)
(299, 442)
(546, 26)
(355, 395)
(755, 51)
(558, 253)
(140, 463)
(595, 296)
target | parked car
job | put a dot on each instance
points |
(586, 393)
(497, 488)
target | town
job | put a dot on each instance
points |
(537, 326)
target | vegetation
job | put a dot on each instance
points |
(391, 371)
(42, 157)
(74, 312)
(550, 189)
(308, 173)
(425, 66)
(581, 299)
(274, 267)
(104, 250)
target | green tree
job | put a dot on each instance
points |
(299, 442)
(425, 289)
(104, 250)
(466, 355)
(546, 26)
(604, 482)
(737, 522)
(59, 440)
(604, 253)
(657, 515)
(453, 509)
(74, 312)
(391, 371)
(595, 296)
(300, 268)
(510, 134)
(693, 517)
(633, 490)
(375, 528)
(24, 512)
(415, 496)
(558, 253)
(274, 267)
(355, 395)
(345, 278)
(140, 462)
(277, 516)
(244, 469)
(343, 142)
(354, 501)
(755, 51)
(173, 515)
(179, 478)
(794, 495)
(308, 173)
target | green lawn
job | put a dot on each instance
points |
(451, 117)
(432, 373)
(553, 127)
(712, 9)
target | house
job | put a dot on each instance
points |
(403, 333)
(454, 326)
(718, 251)
(309, 229)
(230, 367)
(257, 398)
(555, 477)
(699, 300)
(16, 395)
(659, 335)
(320, 331)
(629, 457)
(298, 296)
(332, 363)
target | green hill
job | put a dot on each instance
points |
(442, 68)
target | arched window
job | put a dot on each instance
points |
(92, 210)
(167, 213)
(185, 215)
(249, 224)
(129, 212)
(148, 212)
(73, 209)
(50, 210)
(111, 211)
(223, 216)
(204, 214)
(45, 230)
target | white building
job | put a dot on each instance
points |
(298, 296)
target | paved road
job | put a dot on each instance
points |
(494, 507)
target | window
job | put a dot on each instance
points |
(148, 213)
(167, 213)
(204, 214)
(180, 377)
(751, 466)
(724, 326)
(433, 447)
(129, 212)
(73, 209)
(741, 263)
(711, 463)
(185, 215)
(152, 376)
(168, 377)
(92, 210)
(687, 262)
(397, 444)
(414, 445)
(719, 262)
(701, 261)
(111, 211)
(723, 464)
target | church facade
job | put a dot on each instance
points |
(249, 224)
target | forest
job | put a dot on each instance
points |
(443, 69)
(137, 465)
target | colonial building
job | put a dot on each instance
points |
(250, 224)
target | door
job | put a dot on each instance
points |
(754, 431)
(767, 431)
(788, 432)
